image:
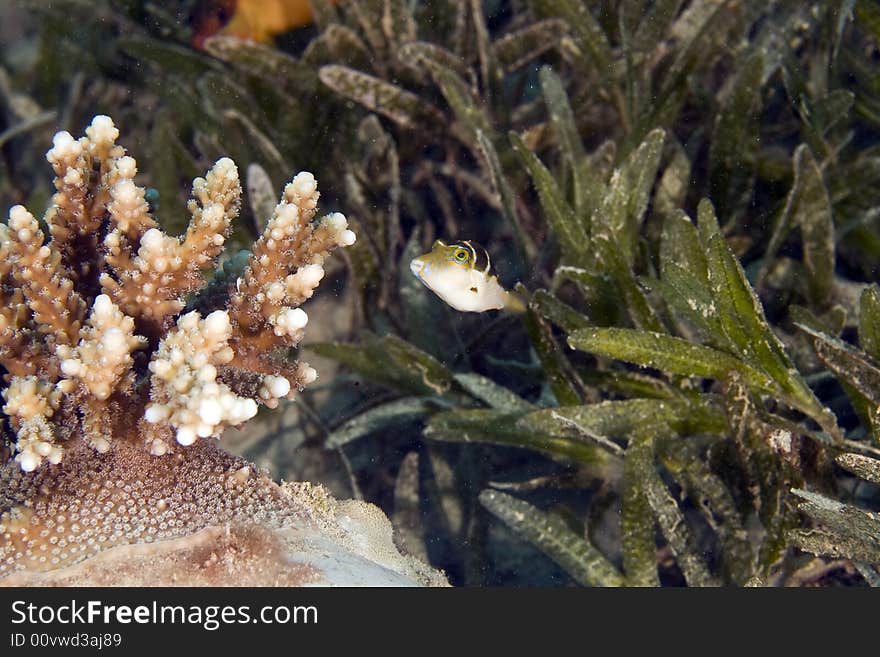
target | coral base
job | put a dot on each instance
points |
(202, 517)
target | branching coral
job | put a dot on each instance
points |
(104, 367)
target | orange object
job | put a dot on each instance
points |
(258, 20)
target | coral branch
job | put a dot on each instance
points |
(185, 390)
(36, 267)
(101, 364)
(151, 286)
(29, 404)
(284, 269)
(198, 375)
(103, 354)
(84, 172)
(14, 314)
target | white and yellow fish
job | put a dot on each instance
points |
(459, 273)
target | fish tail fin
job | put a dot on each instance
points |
(515, 303)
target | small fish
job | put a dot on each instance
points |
(459, 273)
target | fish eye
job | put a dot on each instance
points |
(461, 255)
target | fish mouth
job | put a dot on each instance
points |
(416, 266)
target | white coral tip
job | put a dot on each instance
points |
(225, 166)
(101, 445)
(336, 221)
(278, 386)
(244, 410)
(275, 292)
(296, 318)
(206, 373)
(309, 375)
(28, 461)
(19, 218)
(102, 122)
(304, 184)
(126, 166)
(102, 305)
(217, 324)
(62, 139)
(186, 436)
(310, 275)
(102, 130)
(155, 413)
(210, 412)
(71, 367)
(152, 239)
(158, 447)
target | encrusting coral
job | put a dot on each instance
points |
(115, 369)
